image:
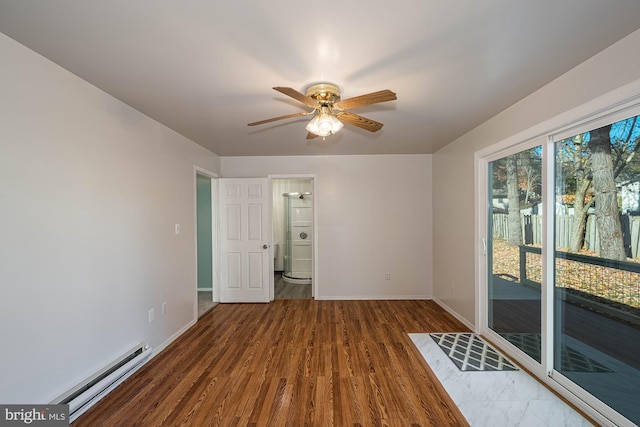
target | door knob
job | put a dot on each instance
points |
(264, 246)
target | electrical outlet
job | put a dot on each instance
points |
(387, 276)
(164, 308)
(152, 315)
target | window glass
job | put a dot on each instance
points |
(514, 249)
(597, 263)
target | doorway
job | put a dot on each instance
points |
(293, 237)
(206, 293)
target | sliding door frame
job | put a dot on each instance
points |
(483, 158)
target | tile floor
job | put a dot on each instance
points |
(286, 290)
(205, 302)
(497, 398)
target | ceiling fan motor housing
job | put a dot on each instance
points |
(324, 93)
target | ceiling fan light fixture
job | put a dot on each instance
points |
(324, 100)
(324, 124)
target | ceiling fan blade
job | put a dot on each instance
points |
(312, 135)
(288, 116)
(306, 100)
(361, 122)
(368, 99)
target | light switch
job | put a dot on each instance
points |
(177, 229)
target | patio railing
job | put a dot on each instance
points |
(607, 286)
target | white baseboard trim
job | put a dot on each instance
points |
(371, 297)
(172, 338)
(452, 312)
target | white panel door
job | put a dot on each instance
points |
(245, 228)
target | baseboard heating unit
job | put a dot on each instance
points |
(88, 392)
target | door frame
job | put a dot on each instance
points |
(314, 247)
(215, 294)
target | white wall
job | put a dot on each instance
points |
(374, 217)
(453, 173)
(90, 190)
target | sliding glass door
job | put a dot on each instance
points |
(563, 260)
(514, 249)
(597, 264)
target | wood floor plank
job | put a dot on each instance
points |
(291, 362)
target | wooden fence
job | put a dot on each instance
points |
(532, 231)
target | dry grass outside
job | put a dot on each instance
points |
(613, 284)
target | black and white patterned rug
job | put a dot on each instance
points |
(469, 352)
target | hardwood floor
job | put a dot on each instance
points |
(291, 362)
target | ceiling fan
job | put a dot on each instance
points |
(329, 111)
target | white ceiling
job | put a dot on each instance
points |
(205, 68)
